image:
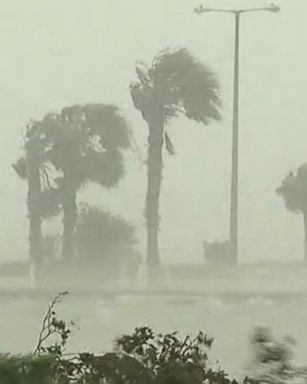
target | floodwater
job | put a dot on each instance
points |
(229, 319)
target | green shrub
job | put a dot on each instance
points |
(27, 369)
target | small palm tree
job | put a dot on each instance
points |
(42, 200)
(175, 84)
(86, 145)
(294, 192)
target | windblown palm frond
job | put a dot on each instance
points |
(294, 190)
(169, 145)
(103, 168)
(181, 84)
(108, 124)
(84, 138)
(35, 159)
(36, 143)
(142, 98)
(20, 167)
(142, 71)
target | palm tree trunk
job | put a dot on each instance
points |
(154, 177)
(35, 225)
(305, 236)
(69, 218)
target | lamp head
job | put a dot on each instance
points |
(274, 8)
(201, 9)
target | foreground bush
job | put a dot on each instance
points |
(27, 369)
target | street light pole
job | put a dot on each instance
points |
(235, 124)
(235, 148)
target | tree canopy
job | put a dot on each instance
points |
(294, 190)
(180, 84)
(86, 140)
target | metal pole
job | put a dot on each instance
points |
(235, 147)
(235, 132)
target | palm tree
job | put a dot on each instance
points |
(42, 196)
(86, 145)
(175, 84)
(294, 192)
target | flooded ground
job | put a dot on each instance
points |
(228, 315)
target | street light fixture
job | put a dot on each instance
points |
(275, 8)
(235, 130)
(202, 9)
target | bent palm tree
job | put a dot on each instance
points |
(86, 143)
(294, 192)
(175, 84)
(42, 198)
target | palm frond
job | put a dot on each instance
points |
(181, 84)
(107, 122)
(142, 98)
(293, 190)
(20, 167)
(83, 138)
(142, 72)
(103, 168)
(134, 147)
(169, 145)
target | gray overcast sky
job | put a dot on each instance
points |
(59, 52)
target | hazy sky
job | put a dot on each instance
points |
(59, 52)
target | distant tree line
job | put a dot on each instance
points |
(82, 144)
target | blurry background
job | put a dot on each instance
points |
(56, 53)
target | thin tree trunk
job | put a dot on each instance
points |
(35, 225)
(154, 177)
(305, 236)
(69, 218)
